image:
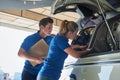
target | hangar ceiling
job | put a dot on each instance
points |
(28, 19)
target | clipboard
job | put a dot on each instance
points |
(39, 49)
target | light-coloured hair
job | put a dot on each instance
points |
(67, 26)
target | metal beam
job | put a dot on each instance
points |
(17, 27)
(20, 5)
(31, 15)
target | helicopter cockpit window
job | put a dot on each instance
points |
(114, 3)
(98, 38)
(88, 26)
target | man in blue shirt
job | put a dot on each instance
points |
(29, 71)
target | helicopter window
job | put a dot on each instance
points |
(114, 3)
(98, 38)
(102, 41)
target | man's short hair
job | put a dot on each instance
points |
(45, 21)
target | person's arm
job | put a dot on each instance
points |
(82, 47)
(24, 54)
(75, 53)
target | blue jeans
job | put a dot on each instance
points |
(28, 76)
(39, 77)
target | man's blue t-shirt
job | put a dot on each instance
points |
(54, 62)
(27, 44)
